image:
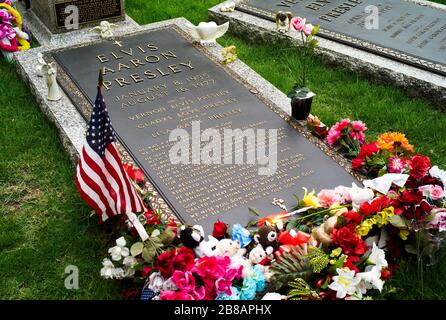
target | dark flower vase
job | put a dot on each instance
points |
(301, 107)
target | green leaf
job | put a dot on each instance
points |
(398, 221)
(251, 223)
(410, 248)
(315, 29)
(148, 253)
(136, 249)
(157, 243)
(254, 211)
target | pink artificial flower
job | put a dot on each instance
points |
(175, 295)
(360, 136)
(432, 191)
(333, 137)
(358, 126)
(439, 220)
(344, 193)
(185, 281)
(223, 286)
(397, 165)
(327, 198)
(308, 29)
(298, 23)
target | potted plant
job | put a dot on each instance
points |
(301, 96)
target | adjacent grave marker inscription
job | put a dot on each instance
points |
(54, 12)
(406, 31)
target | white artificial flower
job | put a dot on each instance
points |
(344, 283)
(120, 250)
(169, 285)
(129, 272)
(118, 273)
(372, 279)
(156, 282)
(360, 195)
(155, 233)
(121, 242)
(129, 262)
(378, 257)
(274, 296)
(107, 270)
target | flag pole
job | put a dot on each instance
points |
(101, 79)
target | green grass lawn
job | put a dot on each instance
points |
(44, 224)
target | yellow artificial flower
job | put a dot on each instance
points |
(339, 211)
(310, 200)
(383, 216)
(364, 228)
(336, 252)
(403, 234)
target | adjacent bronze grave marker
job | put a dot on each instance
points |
(409, 32)
(157, 81)
(53, 12)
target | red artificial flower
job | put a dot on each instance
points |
(368, 150)
(350, 263)
(173, 225)
(220, 229)
(419, 166)
(358, 163)
(152, 217)
(386, 274)
(163, 263)
(411, 197)
(375, 206)
(348, 240)
(184, 259)
(136, 175)
(146, 271)
(352, 217)
(293, 238)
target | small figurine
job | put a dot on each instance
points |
(40, 64)
(208, 32)
(227, 7)
(283, 21)
(50, 70)
(105, 29)
(229, 54)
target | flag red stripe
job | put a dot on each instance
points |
(110, 168)
(95, 187)
(103, 177)
(115, 154)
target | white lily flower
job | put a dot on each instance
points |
(378, 257)
(120, 250)
(344, 283)
(372, 279)
(107, 270)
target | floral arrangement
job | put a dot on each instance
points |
(309, 43)
(341, 243)
(14, 36)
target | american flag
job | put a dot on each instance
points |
(100, 176)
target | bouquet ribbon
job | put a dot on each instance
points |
(384, 183)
